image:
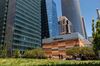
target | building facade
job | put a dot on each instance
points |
(52, 18)
(71, 9)
(3, 19)
(21, 24)
(65, 26)
(56, 46)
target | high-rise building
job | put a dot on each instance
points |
(3, 18)
(71, 9)
(83, 28)
(44, 20)
(20, 24)
(52, 18)
(65, 26)
(98, 13)
(49, 19)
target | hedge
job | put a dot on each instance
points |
(45, 62)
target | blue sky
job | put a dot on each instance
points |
(88, 10)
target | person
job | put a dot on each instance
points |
(83, 57)
(50, 56)
(61, 56)
(74, 57)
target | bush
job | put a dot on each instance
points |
(16, 53)
(3, 53)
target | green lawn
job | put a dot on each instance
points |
(42, 62)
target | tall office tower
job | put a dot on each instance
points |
(65, 25)
(52, 18)
(98, 13)
(83, 28)
(3, 21)
(44, 20)
(20, 24)
(3, 18)
(71, 9)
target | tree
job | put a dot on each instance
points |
(96, 36)
(93, 28)
(73, 51)
(77, 51)
(35, 53)
(87, 51)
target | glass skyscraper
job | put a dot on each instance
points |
(44, 20)
(71, 9)
(21, 24)
(52, 18)
(49, 19)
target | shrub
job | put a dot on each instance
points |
(3, 53)
(16, 53)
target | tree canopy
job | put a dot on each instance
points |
(96, 35)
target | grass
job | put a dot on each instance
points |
(45, 62)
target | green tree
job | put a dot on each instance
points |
(73, 51)
(96, 36)
(93, 28)
(87, 51)
(35, 53)
(76, 51)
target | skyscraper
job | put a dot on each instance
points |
(98, 13)
(44, 20)
(3, 19)
(52, 18)
(83, 28)
(71, 9)
(20, 24)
